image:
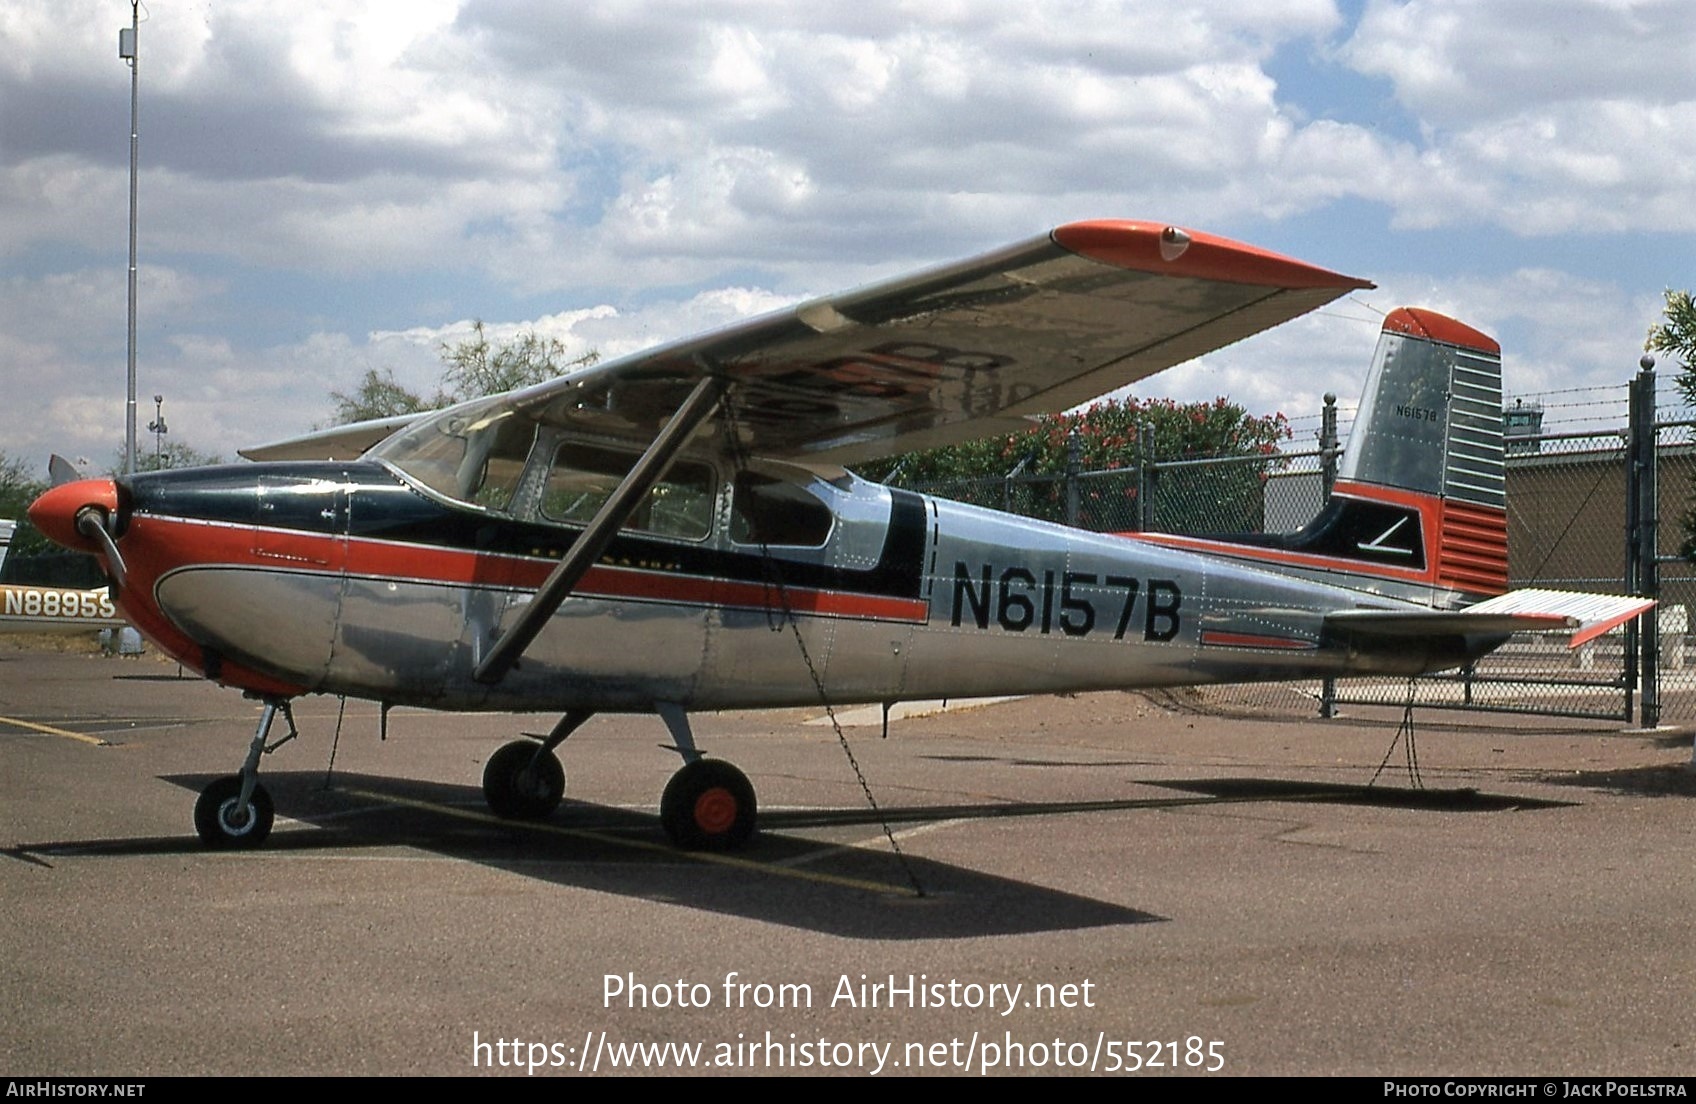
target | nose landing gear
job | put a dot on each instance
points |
(235, 811)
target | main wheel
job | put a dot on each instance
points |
(223, 822)
(708, 806)
(518, 786)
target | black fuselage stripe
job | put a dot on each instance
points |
(376, 505)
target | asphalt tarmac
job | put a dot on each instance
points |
(1111, 883)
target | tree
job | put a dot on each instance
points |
(475, 368)
(380, 395)
(1108, 434)
(1676, 333)
(171, 455)
(471, 369)
(17, 490)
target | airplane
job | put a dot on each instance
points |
(679, 529)
(34, 609)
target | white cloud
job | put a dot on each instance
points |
(1557, 114)
(608, 166)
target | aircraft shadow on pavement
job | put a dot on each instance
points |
(1658, 780)
(860, 891)
(1334, 793)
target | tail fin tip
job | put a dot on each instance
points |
(1428, 324)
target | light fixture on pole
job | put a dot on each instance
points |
(158, 428)
(127, 51)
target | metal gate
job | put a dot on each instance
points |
(1583, 514)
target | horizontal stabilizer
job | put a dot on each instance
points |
(1586, 616)
(1595, 613)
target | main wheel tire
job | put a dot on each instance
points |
(516, 790)
(225, 824)
(708, 806)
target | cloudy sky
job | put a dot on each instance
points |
(341, 185)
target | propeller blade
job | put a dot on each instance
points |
(61, 470)
(91, 523)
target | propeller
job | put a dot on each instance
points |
(91, 523)
(61, 470)
(83, 515)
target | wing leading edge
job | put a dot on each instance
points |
(949, 354)
(960, 351)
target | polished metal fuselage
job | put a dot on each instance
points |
(349, 579)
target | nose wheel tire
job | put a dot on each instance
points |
(708, 806)
(518, 786)
(224, 823)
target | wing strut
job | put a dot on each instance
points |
(593, 541)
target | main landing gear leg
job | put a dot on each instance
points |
(524, 780)
(235, 810)
(708, 805)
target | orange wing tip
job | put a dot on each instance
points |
(1417, 322)
(1174, 251)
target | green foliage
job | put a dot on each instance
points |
(475, 368)
(17, 490)
(380, 395)
(1108, 433)
(1676, 334)
(1112, 436)
(471, 369)
(171, 455)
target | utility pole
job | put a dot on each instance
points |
(127, 51)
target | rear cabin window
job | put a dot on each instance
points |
(583, 476)
(769, 511)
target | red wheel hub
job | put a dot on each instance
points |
(715, 810)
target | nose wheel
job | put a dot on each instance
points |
(235, 811)
(708, 806)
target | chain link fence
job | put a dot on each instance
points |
(1566, 501)
(1570, 527)
(1225, 494)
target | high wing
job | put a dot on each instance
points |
(343, 442)
(950, 354)
(956, 352)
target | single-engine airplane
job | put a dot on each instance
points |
(34, 609)
(626, 538)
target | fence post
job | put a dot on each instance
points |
(1327, 481)
(1646, 493)
(1074, 464)
(1328, 450)
(1145, 476)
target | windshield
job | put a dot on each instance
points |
(473, 453)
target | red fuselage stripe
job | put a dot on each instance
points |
(1213, 638)
(209, 543)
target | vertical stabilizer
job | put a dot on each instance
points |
(1429, 435)
(1430, 419)
(1419, 510)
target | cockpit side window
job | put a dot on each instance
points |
(583, 476)
(494, 461)
(770, 511)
